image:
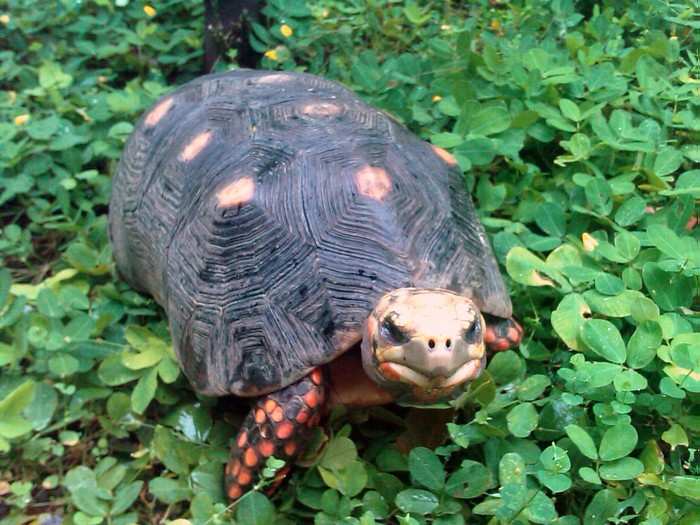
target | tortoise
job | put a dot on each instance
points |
(280, 222)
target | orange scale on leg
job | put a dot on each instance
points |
(316, 376)
(311, 398)
(266, 448)
(250, 458)
(302, 416)
(234, 467)
(259, 415)
(277, 414)
(242, 439)
(290, 448)
(244, 477)
(235, 491)
(270, 405)
(284, 430)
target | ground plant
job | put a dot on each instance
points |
(577, 126)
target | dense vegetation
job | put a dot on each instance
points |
(577, 126)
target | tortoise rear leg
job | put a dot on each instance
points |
(502, 334)
(279, 425)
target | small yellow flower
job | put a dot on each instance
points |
(21, 119)
(437, 98)
(272, 54)
(149, 10)
(286, 31)
(4, 19)
(102, 79)
(445, 27)
(589, 242)
(496, 24)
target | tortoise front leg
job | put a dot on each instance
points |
(279, 425)
(502, 334)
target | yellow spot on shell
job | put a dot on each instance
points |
(373, 182)
(195, 146)
(237, 193)
(286, 31)
(4, 19)
(158, 112)
(437, 98)
(445, 155)
(149, 10)
(272, 54)
(589, 242)
(20, 120)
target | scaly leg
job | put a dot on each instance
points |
(279, 425)
(502, 334)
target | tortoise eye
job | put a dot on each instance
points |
(473, 333)
(391, 332)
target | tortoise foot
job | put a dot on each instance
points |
(502, 334)
(278, 425)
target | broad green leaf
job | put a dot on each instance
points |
(339, 453)
(621, 469)
(583, 441)
(618, 442)
(604, 339)
(144, 391)
(416, 501)
(426, 469)
(522, 419)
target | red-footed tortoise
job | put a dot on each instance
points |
(280, 221)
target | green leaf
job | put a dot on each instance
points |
(642, 346)
(17, 400)
(339, 453)
(125, 497)
(602, 507)
(569, 317)
(169, 490)
(618, 441)
(685, 486)
(582, 440)
(522, 419)
(604, 339)
(526, 268)
(416, 501)
(533, 387)
(426, 469)
(551, 219)
(511, 469)
(621, 469)
(569, 109)
(256, 509)
(667, 161)
(144, 391)
(487, 120)
(629, 381)
(675, 436)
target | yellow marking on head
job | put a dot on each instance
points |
(237, 193)
(373, 182)
(321, 109)
(444, 155)
(195, 146)
(158, 112)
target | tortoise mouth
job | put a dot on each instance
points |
(395, 371)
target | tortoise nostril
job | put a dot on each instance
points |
(448, 343)
(431, 343)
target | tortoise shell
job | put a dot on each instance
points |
(267, 213)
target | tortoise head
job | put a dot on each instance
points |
(421, 344)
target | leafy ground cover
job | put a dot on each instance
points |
(577, 125)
